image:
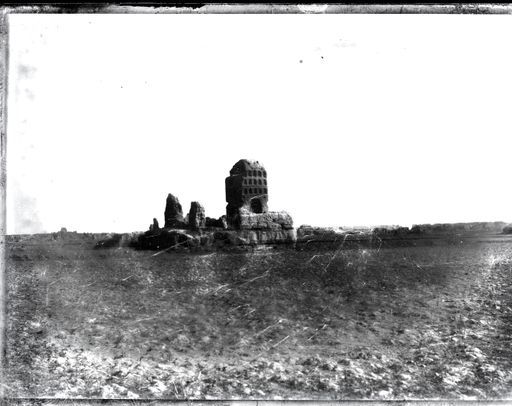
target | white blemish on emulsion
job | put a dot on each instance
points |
(312, 8)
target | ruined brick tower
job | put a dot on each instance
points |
(248, 219)
(247, 197)
(246, 188)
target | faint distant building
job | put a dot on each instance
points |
(246, 188)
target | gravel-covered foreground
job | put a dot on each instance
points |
(387, 323)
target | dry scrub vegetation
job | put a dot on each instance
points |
(388, 323)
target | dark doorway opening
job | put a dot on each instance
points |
(256, 206)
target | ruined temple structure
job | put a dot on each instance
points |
(247, 221)
(246, 187)
(247, 198)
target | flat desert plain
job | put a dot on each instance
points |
(421, 321)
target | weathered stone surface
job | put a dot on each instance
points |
(216, 223)
(204, 239)
(271, 236)
(247, 197)
(196, 216)
(154, 227)
(167, 239)
(173, 213)
(257, 222)
(254, 237)
(246, 187)
(246, 220)
(284, 219)
(317, 233)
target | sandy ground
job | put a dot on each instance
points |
(387, 323)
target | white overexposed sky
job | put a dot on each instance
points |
(358, 119)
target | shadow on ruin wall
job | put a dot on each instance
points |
(247, 221)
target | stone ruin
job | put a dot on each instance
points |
(195, 219)
(173, 214)
(247, 197)
(196, 216)
(246, 189)
(247, 219)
